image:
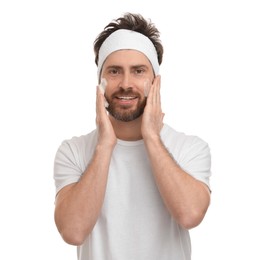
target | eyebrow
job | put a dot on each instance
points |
(113, 67)
(138, 66)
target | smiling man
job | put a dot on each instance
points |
(133, 187)
(127, 103)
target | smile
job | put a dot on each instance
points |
(126, 98)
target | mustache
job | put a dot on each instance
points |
(125, 92)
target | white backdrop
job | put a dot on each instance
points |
(210, 78)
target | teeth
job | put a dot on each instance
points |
(128, 98)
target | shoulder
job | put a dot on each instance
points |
(170, 135)
(191, 152)
(78, 144)
(180, 143)
(82, 140)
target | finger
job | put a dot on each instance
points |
(97, 104)
(150, 98)
(156, 90)
(98, 98)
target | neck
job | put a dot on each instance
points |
(127, 131)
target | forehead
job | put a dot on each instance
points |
(126, 58)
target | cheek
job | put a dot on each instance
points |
(111, 83)
(144, 86)
(109, 90)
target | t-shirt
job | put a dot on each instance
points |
(134, 223)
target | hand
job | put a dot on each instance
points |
(106, 134)
(152, 121)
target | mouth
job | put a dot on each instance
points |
(126, 100)
(126, 97)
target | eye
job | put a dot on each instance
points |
(139, 71)
(114, 71)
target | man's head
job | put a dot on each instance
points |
(133, 32)
(128, 55)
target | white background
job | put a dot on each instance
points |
(210, 82)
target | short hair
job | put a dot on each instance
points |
(134, 22)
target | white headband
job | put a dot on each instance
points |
(128, 40)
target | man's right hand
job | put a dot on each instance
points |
(106, 134)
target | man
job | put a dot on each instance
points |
(133, 187)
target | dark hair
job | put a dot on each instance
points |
(134, 22)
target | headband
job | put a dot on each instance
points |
(123, 39)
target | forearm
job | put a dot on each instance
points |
(78, 205)
(186, 198)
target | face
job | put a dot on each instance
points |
(128, 74)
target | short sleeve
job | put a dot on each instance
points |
(66, 167)
(195, 159)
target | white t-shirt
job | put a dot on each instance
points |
(134, 223)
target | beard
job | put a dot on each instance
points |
(125, 113)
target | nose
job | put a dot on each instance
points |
(126, 81)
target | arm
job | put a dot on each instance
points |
(186, 198)
(78, 205)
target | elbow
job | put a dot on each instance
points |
(190, 222)
(73, 234)
(72, 237)
(191, 219)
